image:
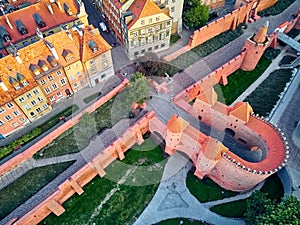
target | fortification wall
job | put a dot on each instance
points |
(28, 153)
(227, 22)
(83, 176)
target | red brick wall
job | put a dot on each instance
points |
(85, 174)
(228, 22)
(28, 153)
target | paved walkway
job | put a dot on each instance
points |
(173, 198)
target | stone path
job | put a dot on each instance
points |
(173, 199)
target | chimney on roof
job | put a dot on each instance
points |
(52, 49)
(64, 27)
(77, 28)
(15, 53)
(58, 4)
(39, 33)
(3, 86)
(8, 22)
(50, 8)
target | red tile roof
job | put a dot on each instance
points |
(52, 20)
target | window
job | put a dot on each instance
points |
(27, 106)
(59, 95)
(150, 49)
(52, 99)
(63, 81)
(54, 86)
(15, 124)
(21, 99)
(58, 73)
(92, 62)
(94, 70)
(32, 114)
(156, 47)
(150, 30)
(135, 33)
(150, 40)
(50, 77)
(82, 82)
(22, 120)
(157, 27)
(35, 91)
(25, 83)
(40, 99)
(47, 90)
(105, 64)
(103, 76)
(135, 43)
(157, 18)
(142, 22)
(69, 68)
(45, 106)
(143, 41)
(143, 51)
(162, 45)
(75, 85)
(163, 36)
(43, 82)
(16, 113)
(166, 2)
(136, 53)
(2, 110)
(28, 95)
(8, 117)
(143, 31)
(1, 123)
(150, 20)
(103, 56)
(156, 38)
(33, 102)
(79, 73)
(9, 105)
(72, 77)
(39, 110)
(173, 9)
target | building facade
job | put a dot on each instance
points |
(148, 28)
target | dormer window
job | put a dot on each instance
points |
(39, 20)
(67, 9)
(42, 64)
(14, 83)
(34, 69)
(52, 61)
(22, 80)
(93, 46)
(67, 54)
(21, 27)
(4, 34)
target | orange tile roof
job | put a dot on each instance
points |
(142, 8)
(175, 124)
(209, 96)
(86, 51)
(213, 149)
(10, 67)
(52, 20)
(242, 110)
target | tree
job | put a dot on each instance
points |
(84, 130)
(151, 65)
(262, 210)
(136, 91)
(196, 13)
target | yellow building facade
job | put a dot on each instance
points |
(149, 30)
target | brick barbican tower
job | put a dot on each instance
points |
(255, 47)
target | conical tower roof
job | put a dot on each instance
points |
(175, 124)
(261, 36)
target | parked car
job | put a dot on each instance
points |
(103, 27)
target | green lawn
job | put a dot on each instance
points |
(128, 198)
(208, 47)
(266, 95)
(273, 187)
(67, 142)
(182, 221)
(91, 97)
(278, 8)
(6, 150)
(206, 190)
(26, 186)
(239, 81)
(174, 38)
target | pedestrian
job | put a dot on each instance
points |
(62, 118)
